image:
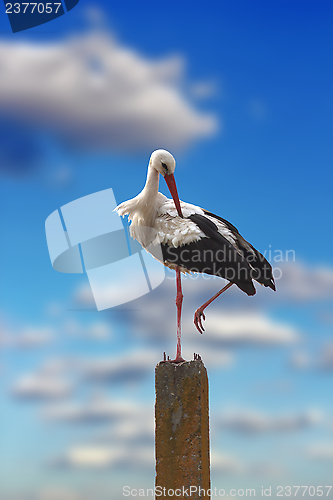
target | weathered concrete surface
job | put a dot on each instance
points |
(182, 427)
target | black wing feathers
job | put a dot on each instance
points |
(263, 270)
(212, 255)
(217, 256)
(226, 222)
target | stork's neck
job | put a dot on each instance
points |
(151, 187)
(146, 201)
(142, 213)
(149, 193)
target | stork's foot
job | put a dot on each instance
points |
(198, 317)
(178, 359)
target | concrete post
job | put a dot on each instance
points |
(182, 428)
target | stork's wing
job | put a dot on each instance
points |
(262, 268)
(211, 254)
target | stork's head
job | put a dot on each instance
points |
(163, 161)
(165, 164)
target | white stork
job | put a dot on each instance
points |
(192, 239)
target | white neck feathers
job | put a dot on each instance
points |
(141, 210)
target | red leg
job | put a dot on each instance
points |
(199, 313)
(179, 303)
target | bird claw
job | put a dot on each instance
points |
(178, 359)
(198, 317)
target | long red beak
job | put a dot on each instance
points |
(170, 180)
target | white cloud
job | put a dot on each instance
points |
(58, 493)
(318, 362)
(84, 296)
(325, 361)
(297, 282)
(27, 338)
(225, 464)
(128, 440)
(97, 409)
(302, 283)
(98, 330)
(34, 337)
(130, 366)
(54, 309)
(154, 316)
(253, 422)
(263, 470)
(321, 451)
(106, 456)
(92, 456)
(213, 356)
(300, 360)
(133, 366)
(131, 430)
(57, 366)
(51, 493)
(239, 327)
(40, 386)
(92, 91)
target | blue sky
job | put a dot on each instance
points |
(240, 92)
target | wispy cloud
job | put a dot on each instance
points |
(106, 456)
(303, 283)
(225, 464)
(296, 281)
(40, 386)
(321, 362)
(254, 422)
(133, 429)
(129, 367)
(241, 328)
(98, 409)
(229, 324)
(321, 451)
(59, 493)
(27, 337)
(97, 330)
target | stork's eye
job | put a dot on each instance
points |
(165, 168)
